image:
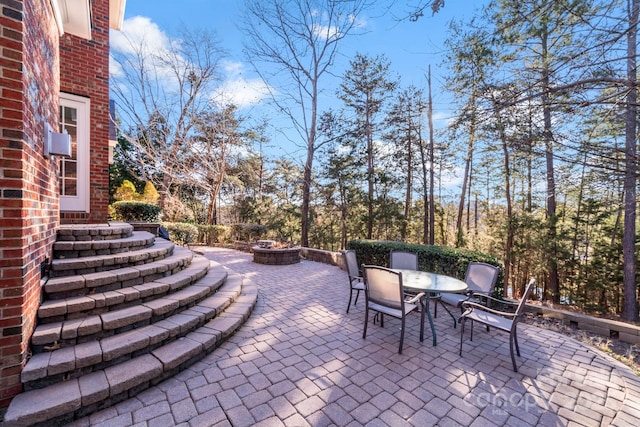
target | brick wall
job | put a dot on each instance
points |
(29, 90)
(84, 71)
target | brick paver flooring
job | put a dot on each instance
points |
(300, 360)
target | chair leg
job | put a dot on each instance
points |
(515, 339)
(513, 358)
(462, 322)
(401, 336)
(366, 320)
(349, 303)
(357, 295)
(421, 319)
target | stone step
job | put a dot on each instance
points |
(122, 278)
(61, 402)
(98, 263)
(53, 366)
(74, 307)
(83, 232)
(66, 333)
(83, 248)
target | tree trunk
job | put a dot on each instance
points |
(465, 182)
(432, 207)
(370, 171)
(552, 260)
(630, 301)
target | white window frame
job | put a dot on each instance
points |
(79, 202)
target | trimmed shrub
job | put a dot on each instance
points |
(130, 211)
(181, 233)
(437, 259)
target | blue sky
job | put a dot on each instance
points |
(410, 46)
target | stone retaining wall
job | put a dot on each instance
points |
(325, 257)
(605, 327)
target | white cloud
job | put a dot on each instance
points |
(141, 42)
(136, 32)
(325, 32)
(238, 90)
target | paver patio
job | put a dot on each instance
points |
(300, 360)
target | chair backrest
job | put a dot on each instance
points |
(481, 277)
(383, 286)
(403, 260)
(525, 297)
(351, 261)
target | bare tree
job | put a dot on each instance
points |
(292, 44)
(161, 89)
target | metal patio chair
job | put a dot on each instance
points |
(356, 282)
(501, 320)
(481, 279)
(385, 295)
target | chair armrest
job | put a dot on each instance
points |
(415, 298)
(469, 306)
(500, 301)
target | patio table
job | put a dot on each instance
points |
(424, 281)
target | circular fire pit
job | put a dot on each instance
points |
(276, 256)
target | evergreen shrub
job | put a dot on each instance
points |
(182, 233)
(132, 211)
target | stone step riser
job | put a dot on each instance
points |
(72, 332)
(113, 280)
(111, 231)
(78, 249)
(95, 264)
(115, 297)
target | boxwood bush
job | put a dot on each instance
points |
(131, 211)
(181, 233)
(437, 259)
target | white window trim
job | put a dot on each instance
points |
(80, 202)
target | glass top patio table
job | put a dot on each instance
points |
(424, 281)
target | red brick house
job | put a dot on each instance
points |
(54, 69)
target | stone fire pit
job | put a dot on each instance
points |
(276, 256)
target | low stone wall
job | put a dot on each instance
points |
(151, 227)
(605, 327)
(325, 257)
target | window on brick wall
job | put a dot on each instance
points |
(74, 171)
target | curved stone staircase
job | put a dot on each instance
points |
(122, 311)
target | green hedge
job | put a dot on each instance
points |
(129, 211)
(181, 233)
(437, 259)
